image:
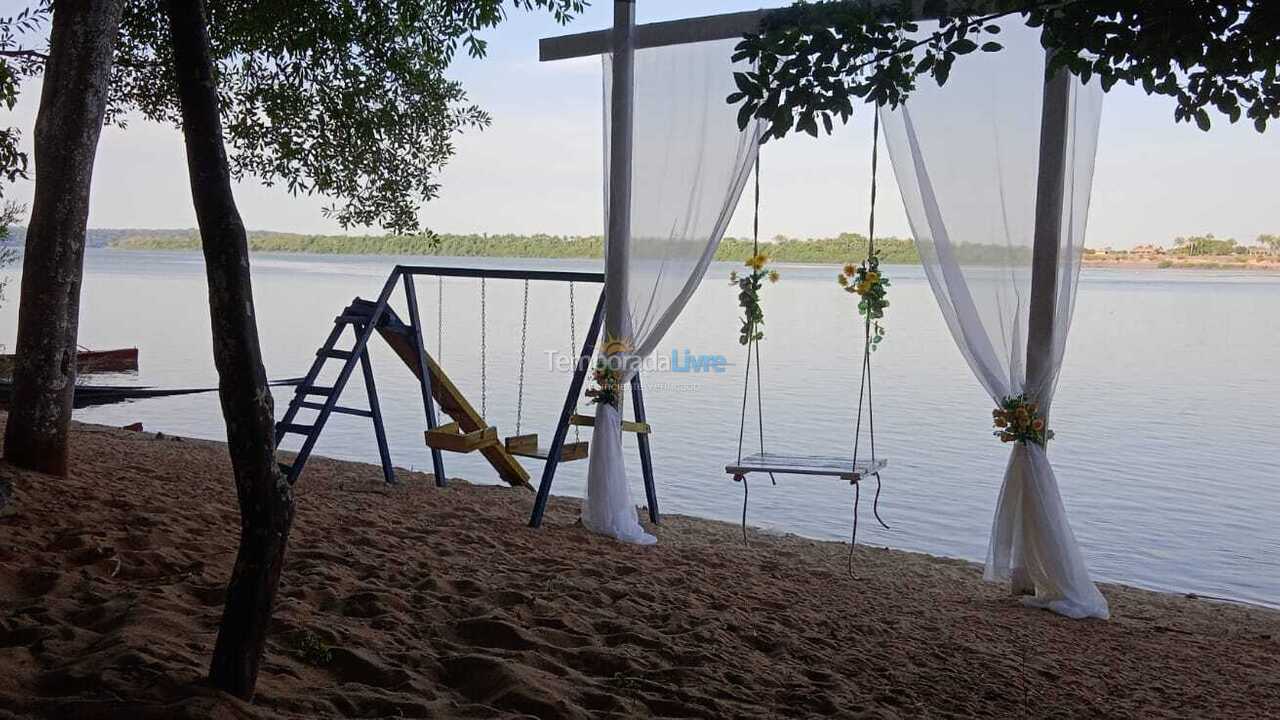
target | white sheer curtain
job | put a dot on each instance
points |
(966, 157)
(689, 165)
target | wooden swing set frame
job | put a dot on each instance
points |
(468, 431)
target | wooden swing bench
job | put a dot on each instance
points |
(450, 437)
(827, 466)
(527, 446)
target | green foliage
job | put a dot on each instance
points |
(312, 650)
(813, 60)
(749, 285)
(17, 62)
(9, 214)
(348, 100)
(1271, 242)
(868, 282)
(782, 249)
(1196, 245)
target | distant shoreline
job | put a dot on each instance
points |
(788, 251)
(1252, 263)
(824, 251)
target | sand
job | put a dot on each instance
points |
(421, 602)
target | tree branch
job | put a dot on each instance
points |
(25, 54)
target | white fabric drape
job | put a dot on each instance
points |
(689, 165)
(966, 157)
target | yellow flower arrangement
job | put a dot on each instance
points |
(749, 296)
(1018, 419)
(871, 287)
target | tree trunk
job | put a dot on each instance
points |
(73, 101)
(266, 500)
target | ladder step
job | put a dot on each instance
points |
(343, 410)
(348, 319)
(296, 428)
(336, 354)
(315, 390)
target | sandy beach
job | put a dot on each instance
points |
(416, 601)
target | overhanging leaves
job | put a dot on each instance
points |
(1211, 57)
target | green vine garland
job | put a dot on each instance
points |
(749, 285)
(871, 286)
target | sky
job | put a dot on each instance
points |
(538, 168)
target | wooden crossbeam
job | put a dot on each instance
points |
(677, 32)
(634, 426)
(455, 405)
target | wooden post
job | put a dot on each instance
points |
(618, 238)
(424, 377)
(1050, 190)
(646, 457)
(375, 413)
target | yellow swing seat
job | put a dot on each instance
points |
(451, 438)
(527, 446)
(634, 426)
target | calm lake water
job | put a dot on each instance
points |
(1166, 419)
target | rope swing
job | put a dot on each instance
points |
(870, 286)
(869, 340)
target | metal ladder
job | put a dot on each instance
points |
(363, 318)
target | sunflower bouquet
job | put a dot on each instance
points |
(749, 285)
(1018, 419)
(870, 285)
(608, 383)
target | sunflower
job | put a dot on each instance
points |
(773, 276)
(850, 269)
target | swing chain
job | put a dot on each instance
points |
(524, 335)
(573, 352)
(440, 318)
(484, 379)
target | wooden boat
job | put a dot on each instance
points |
(91, 395)
(91, 361)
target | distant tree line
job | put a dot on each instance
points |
(1201, 245)
(842, 248)
(93, 237)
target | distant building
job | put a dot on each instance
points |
(1148, 250)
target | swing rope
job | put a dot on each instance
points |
(864, 389)
(753, 348)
